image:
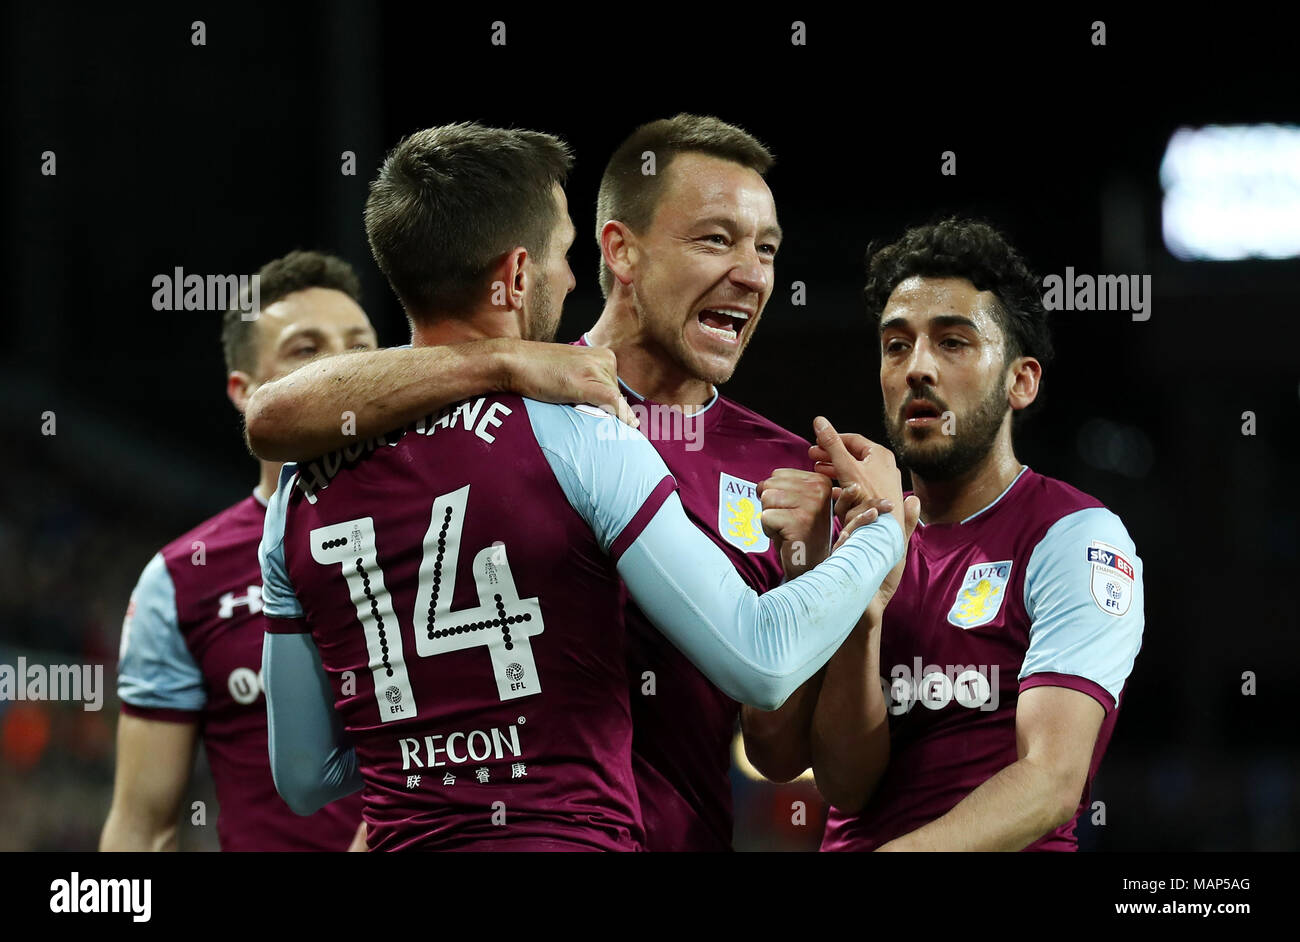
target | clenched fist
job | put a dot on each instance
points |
(797, 515)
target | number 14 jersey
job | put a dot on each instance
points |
(470, 622)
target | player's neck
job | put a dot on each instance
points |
(268, 480)
(488, 324)
(644, 365)
(954, 500)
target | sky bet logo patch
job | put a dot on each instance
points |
(980, 597)
(1112, 578)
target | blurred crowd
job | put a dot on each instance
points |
(68, 561)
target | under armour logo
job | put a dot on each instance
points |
(253, 600)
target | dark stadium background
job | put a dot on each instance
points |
(218, 158)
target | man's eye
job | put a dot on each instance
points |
(768, 248)
(304, 352)
(721, 239)
(895, 346)
(952, 343)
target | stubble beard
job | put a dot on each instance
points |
(971, 443)
(543, 318)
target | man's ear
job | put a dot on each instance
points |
(239, 388)
(1026, 374)
(618, 248)
(510, 285)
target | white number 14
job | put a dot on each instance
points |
(502, 621)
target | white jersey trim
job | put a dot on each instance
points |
(990, 505)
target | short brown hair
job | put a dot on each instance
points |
(450, 201)
(631, 196)
(277, 279)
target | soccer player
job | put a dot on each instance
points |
(1006, 645)
(461, 577)
(191, 651)
(688, 264)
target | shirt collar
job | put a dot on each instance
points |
(990, 505)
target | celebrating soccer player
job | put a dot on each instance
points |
(1007, 642)
(688, 265)
(460, 578)
(191, 653)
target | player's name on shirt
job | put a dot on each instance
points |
(468, 416)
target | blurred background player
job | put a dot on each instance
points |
(448, 735)
(688, 262)
(1006, 646)
(191, 649)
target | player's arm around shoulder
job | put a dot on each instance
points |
(161, 689)
(335, 401)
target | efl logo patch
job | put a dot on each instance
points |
(1112, 578)
(980, 597)
(739, 510)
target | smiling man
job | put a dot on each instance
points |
(687, 254)
(688, 244)
(688, 264)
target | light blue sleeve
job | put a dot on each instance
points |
(278, 597)
(1084, 596)
(155, 667)
(606, 468)
(756, 649)
(309, 764)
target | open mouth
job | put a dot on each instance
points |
(723, 323)
(919, 413)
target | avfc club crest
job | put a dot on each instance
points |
(739, 511)
(980, 597)
(1112, 578)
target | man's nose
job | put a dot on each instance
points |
(922, 368)
(750, 272)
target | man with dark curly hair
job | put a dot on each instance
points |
(1013, 626)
